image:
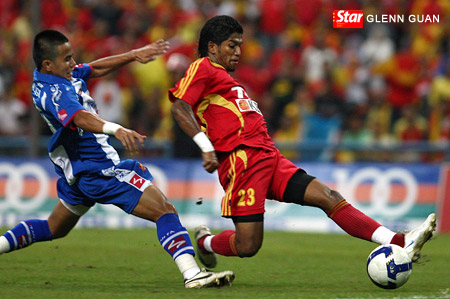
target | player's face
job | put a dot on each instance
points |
(64, 63)
(228, 52)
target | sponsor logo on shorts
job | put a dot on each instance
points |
(137, 181)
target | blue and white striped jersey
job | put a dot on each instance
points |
(72, 150)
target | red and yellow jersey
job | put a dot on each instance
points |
(222, 107)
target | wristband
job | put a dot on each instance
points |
(110, 128)
(203, 142)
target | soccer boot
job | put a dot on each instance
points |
(208, 259)
(415, 239)
(207, 279)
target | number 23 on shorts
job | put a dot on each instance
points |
(247, 197)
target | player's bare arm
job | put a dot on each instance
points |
(88, 121)
(145, 54)
(184, 115)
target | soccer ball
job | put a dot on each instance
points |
(389, 266)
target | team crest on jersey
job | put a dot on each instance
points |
(142, 167)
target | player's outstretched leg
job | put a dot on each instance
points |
(209, 259)
(205, 279)
(415, 239)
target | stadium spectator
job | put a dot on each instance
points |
(272, 22)
(317, 61)
(378, 47)
(402, 74)
(290, 130)
(282, 90)
(440, 88)
(250, 168)
(90, 169)
(411, 126)
(13, 112)
(107, 95)
(356, 136)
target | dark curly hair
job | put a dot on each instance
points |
(217, 29)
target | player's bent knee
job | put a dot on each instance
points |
(248, 248)
(247, 252)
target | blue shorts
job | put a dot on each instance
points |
(121, 185)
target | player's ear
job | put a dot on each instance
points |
(47, 65)
(212, 48)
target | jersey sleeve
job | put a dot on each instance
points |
(82, 71)
(191, 87)
(63, 104)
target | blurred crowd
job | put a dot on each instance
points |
(382, 85)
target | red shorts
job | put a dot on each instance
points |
(249, 176)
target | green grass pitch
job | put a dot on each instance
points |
(101, 263)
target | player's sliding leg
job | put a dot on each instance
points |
(359, 225)
(63, 218)
(176, 241)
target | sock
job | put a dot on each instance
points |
(353, 221)
(24, 234)
(224, 243)
(176, 241)
(207, 243)
(398, 239)
(382, 235)
(187, 265)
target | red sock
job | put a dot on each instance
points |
(353, 221)
(224, 243)
(398, 239)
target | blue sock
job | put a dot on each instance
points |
(27, 232)
(173, 236)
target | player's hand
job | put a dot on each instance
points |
(149, 52)
(130, 139)
(210, 162)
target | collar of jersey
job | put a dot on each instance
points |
(38, 76)
(215, 64)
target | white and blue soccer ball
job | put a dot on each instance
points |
(389, 266)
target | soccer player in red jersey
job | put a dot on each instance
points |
(251, 169)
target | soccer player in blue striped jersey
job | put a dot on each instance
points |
(89, 167)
